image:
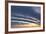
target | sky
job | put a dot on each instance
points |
(25, 11)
